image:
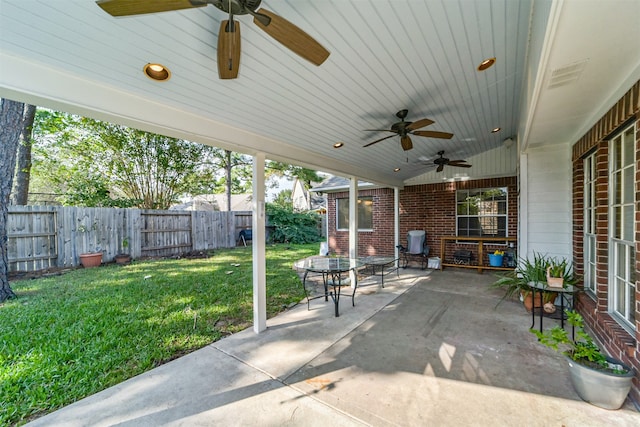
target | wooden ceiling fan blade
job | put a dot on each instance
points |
(460, 165)
(433, 134)
(229, 49)
(378, 140)
(406, 143)
(292, 37)
(420, 124)
(139, 7)
(440, 167)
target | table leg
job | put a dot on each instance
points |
(533, 308)
(541, 308)
(355, 288)
(335, 294)
(325, 278)
(562, 310)
(304, 286)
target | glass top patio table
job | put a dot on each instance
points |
(329, 265)
(378, 260)
(331, 270)
(381, 261)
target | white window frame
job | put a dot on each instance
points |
(589, 215)
(360, 199)
(621, 295)
(505, 215)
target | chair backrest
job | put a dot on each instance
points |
(415, 241)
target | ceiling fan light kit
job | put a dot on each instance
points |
(228, 54)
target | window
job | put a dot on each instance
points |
(590, 224)
(481, 212)
(622, 257)
(365, 213)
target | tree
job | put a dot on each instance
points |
(23, 169)
(284, 200)
(95, 163)
(306, 176)
(238, 174)
(148, 169)
(10, 128)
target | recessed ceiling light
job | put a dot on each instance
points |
(157, 72)
(338, 144)
(396, 170)
(494, 130)
(487, 63)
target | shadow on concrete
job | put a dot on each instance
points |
(429, 348)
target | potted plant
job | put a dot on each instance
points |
(123, 257)
(516, 282)
(91, 259)
(556, 272)
(597, 378)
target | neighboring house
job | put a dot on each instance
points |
(587, 212)
(300, 197)
(216, 202)
(304, 200)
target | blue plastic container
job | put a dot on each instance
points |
(495, 260)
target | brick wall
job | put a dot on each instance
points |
(616, 340)
(429, 207)
(376, 242)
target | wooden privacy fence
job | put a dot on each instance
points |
(41, 237)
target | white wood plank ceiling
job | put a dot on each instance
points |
(386, 55)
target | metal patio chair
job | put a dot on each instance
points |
(416, 248)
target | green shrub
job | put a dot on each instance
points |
(293, 227)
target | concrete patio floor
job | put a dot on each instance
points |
(428, 349)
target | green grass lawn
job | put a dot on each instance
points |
(69, 336)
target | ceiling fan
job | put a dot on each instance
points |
(277, 27)
(405, 128)
(441, 162)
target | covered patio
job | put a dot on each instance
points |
(564, 83)
(429, 348)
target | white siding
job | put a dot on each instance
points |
(501, 161)
(546, 202)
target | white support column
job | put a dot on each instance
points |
(523, 206)
(396, 222)
(258, 246)
(326, 223)
(353, 224)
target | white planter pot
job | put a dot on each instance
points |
(603, 389)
